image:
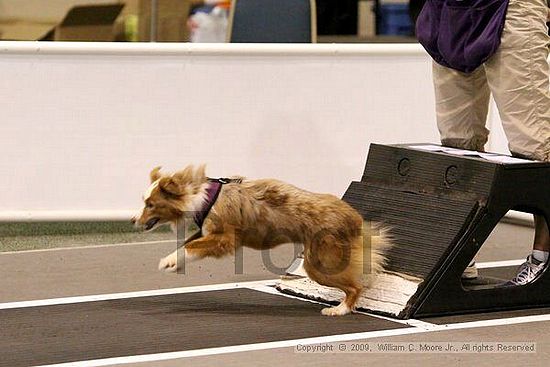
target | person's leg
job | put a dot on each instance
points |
(541, 246)
(462, 104)
(535, 262)
(542, 236)
(518, 78)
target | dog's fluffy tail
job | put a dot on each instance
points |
(371, 250)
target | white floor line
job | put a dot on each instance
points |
(85, 247)
(295, 342)
(419, 324)
(494, 322)
(480, 265)
(126, 295)
(160, 292)
(499, 264)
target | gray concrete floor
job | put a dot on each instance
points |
(122, 268)
(507, 242)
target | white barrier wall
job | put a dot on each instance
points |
(82, 124)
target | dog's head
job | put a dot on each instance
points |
(170, 196)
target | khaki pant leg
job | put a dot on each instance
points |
(462, 103)
(518, 78)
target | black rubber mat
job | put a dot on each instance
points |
(94, 330)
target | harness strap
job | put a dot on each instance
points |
(212, 193)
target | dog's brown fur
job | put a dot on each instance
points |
(262, 214)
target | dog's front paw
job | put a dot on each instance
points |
(169, 264)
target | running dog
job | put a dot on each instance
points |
(340, 249)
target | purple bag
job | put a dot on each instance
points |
(461, 34)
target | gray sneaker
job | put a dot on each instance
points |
(528, 271)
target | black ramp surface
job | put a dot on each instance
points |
(94, 330)
(421, 229)
(406, 189)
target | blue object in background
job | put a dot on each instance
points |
(394, 19)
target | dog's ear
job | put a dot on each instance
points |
(155, 174)
(185, 176)
(200, 175)
(190, 176)
(170, 187)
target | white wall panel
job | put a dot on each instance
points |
(81, 124)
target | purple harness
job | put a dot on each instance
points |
(461, 34)
(212, 193)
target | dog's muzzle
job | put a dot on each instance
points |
(151, 223)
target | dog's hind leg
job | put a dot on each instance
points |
(339, 266)
(349, 283)
(352, 292)
(212, 245)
